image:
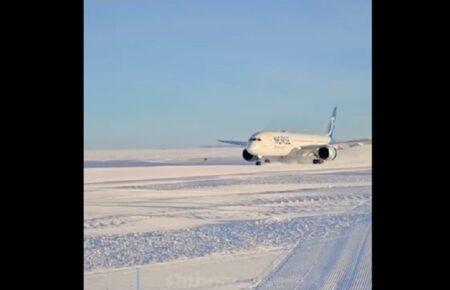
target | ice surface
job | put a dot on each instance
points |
(143, 248)
(295, 226)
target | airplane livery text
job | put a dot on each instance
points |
(281, 140)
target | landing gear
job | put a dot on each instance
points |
(262, 161)
(317, 161)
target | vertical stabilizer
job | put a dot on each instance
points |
(331, 124)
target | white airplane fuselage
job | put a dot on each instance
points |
(289, 147)
(281, 143)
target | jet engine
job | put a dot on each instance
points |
(326, 153)
(249, 157)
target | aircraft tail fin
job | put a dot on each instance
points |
(331, 124)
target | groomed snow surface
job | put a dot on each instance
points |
(204, 219)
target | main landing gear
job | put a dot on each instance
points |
(317, 161)
(259, 162)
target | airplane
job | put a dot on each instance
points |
(289, 147)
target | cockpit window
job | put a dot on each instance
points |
(255, 139)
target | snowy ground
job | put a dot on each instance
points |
(205, 219)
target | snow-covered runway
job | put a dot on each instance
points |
(202, 219)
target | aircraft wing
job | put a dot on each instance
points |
(308, 151)
(351, 143)
(238, 143)
(304, 151)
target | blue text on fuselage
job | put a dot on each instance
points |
(281, 140)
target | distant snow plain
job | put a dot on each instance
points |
(204, 218)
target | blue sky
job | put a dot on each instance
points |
(163, 74)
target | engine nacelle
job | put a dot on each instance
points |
(326, 153)
(249, 157)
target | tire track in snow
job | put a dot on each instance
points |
(339, 262)
(346, 260)
(362, 278)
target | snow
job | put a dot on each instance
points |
(221, 223)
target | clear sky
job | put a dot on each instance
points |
(163, 74)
